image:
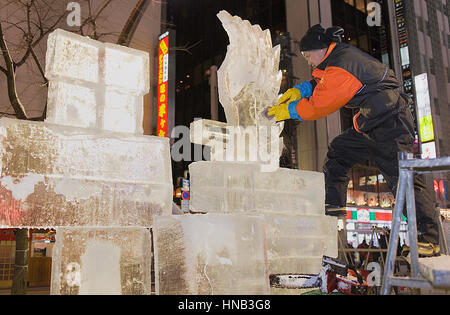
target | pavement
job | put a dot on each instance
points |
(30, 291)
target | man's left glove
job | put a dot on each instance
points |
(281, 112)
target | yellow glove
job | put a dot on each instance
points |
(290, 95)
(281, 112)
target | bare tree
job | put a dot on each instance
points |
(20, 35)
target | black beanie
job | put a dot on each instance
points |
(319, 38)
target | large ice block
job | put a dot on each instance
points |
(95, 85)
(296, 244)
(48, 149)
(100, 261)
(40, 201)
(241, 187)
(59, 175)
(210, 254)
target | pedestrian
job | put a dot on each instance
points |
(343, 75)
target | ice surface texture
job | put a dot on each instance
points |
(248, 82)
(101, 261)
(241, 187)
(95, 85)
(210, 254)
(63, 176)
(249, 77)
(292, 203)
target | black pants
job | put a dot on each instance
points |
(381, 146)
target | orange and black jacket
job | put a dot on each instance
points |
(349, 77)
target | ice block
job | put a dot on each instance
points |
(292, 203)
(210, 254)
(238, 187)
(296, 244)
(36, 201)
(49, 149)
(55, 175)
(95, 85)
(235, 143)
(100, 261)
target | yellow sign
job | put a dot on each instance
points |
(426, 128)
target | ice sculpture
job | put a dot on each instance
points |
(291, 202)
(87, 170)
(96, 261)
(249, 77)
(210, 254)
(249, 81)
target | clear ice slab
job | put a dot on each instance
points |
(94, 84)
(296, 244)
(210, 254)
(241, 187)
(235, 143)
(100, 261)
(54, 175)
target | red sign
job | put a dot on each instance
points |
(7, 235)
(185, 195)
(163, 80)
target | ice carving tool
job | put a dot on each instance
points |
(266, 113)
(266, 110)
(333, 277)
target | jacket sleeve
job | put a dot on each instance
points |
(334, 90)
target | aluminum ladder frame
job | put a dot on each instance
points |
(405, 193)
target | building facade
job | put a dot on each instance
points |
(412, 37)
(427, 27)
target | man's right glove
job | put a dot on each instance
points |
(287, 104)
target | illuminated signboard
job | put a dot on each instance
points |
(426, 130)
(429, 150)
(163, 84)
(403, 41)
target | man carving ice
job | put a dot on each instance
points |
(346, 76)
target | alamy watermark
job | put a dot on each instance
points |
(74, 17)
(232, 144)
(374, 16)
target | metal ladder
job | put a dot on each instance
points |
(424, 274)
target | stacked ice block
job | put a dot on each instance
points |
(114, 260)
(210, 254)
(291, 201)
(88, 167)
(94, 84)
(68, 176)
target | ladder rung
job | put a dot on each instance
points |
(409, 282)
(430, 165)
(436, 270)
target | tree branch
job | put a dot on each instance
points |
(132, 23)
(16, 104)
